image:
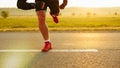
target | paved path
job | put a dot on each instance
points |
(70, 50)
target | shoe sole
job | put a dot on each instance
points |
(46, 50)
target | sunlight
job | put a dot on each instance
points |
(12, 61)
(72, 3)
(90, 40)
(94, 3)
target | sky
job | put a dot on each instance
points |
(72, 3)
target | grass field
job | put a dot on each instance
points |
(64, 22)
(27, 20)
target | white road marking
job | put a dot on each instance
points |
(75, 50)
(53, 50)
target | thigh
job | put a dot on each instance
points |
(53, 5)
(40, 5)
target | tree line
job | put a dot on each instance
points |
(5, 14)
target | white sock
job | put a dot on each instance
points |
(54, 15)
(47, 40)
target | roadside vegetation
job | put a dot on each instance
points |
(67, 20)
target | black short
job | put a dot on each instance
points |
(40, 5)
(22, 4)
(52, 4)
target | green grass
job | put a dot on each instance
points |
(64, 22)
(87, 22)
(104, 17)
(20, 22)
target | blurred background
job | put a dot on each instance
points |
(78, 15)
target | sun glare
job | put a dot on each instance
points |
(12, 61)
(94, 3)
(72, 3)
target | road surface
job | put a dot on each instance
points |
(70, 50)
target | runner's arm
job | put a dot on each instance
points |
(62, 6)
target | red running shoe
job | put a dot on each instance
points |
(55, 18)
(47, 47)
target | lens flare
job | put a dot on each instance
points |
(12, 61)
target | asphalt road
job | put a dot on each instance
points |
(70, 50)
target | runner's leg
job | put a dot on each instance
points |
(54, 6)
(22, 4)
(40, 9)
(54, 9)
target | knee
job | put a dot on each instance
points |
(54, 8)
(41, 15)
